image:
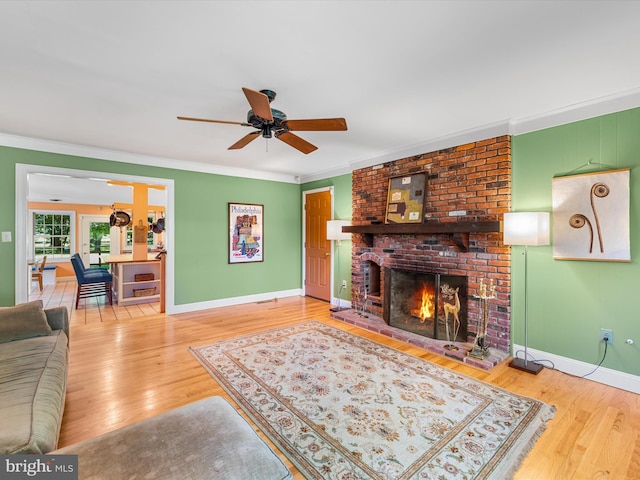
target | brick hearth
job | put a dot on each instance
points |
(378, 325)
(467, 183)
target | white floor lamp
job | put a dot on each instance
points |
(526, 228)
(334, 232)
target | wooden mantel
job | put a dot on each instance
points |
(459, 230)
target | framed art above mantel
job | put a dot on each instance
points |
(405, 199)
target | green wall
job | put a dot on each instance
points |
(341, 211)
(202, 272)
(569, 301)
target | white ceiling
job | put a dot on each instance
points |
(45, 187)
(113, 75)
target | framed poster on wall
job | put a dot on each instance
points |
(246, 238)
(405, 199)
(591, 216)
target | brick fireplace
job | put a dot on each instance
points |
(468, 189)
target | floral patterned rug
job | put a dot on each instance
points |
(343, 407)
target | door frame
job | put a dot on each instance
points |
(22, 190)
(85, 219)
(304, 238)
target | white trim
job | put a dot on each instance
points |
(232, 301)
(515, 126)
(606, 376)
(343, 303)
(332, 270)
(92, 217)
(22, 190)
(574, 113)
(334, 172)
(51, 146)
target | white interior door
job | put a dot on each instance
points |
(92, 236)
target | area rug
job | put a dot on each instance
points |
(340, 406)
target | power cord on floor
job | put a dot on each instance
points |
(604, 355)
(553, 367)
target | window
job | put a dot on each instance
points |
(53, 234)
(152, 238)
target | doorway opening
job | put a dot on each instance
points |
(24, 171)
(95, 239)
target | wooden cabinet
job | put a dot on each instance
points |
(132, 282)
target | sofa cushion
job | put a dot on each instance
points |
(23, 321)
(33, 380)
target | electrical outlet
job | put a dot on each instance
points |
(606, 333)
(344, 284)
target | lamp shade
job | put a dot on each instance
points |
(526, 228)
(334, 230)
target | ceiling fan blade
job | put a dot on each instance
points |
(259, 103)
(245, 124)
(296, 142)
(317, 124)
(244, 141)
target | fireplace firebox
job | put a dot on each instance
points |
(432, 305)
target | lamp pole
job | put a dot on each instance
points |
(526, 228)
(334, 232)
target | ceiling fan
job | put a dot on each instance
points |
(270, 122)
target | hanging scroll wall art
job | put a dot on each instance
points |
(591, 216)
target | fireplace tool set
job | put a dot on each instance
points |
(363, 300)
(479, 349)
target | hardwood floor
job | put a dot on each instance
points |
(127, 367)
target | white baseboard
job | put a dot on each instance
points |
(606, 376)
(228, 302)
(342, 303)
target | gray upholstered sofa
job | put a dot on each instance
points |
(207, 439)
(34, 359)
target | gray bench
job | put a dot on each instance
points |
(207, 439)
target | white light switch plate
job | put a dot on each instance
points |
(6, 236)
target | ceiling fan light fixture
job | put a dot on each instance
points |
(270, 122)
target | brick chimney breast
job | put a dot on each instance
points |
(467, 183)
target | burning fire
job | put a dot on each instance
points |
(426, 305)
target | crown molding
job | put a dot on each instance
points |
(50, 146)
(577, 112)
(517, 126)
